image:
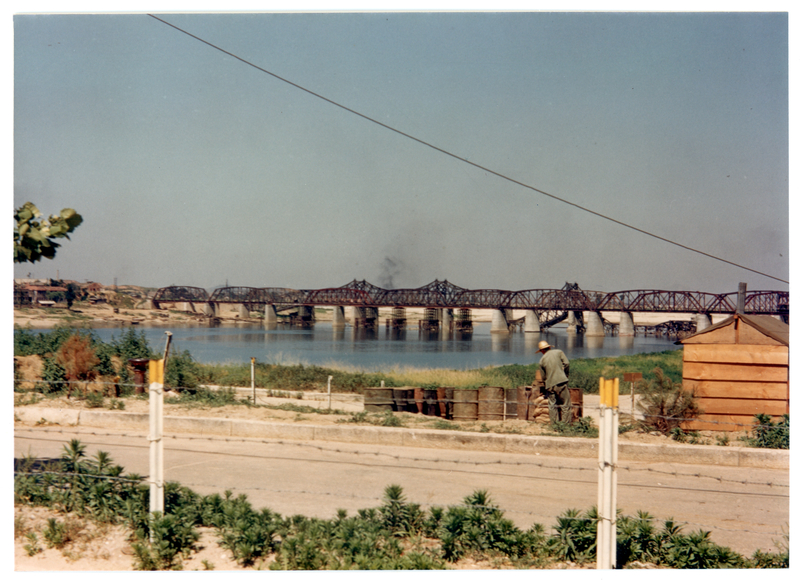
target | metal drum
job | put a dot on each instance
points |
(378, 399)
(465, 404)
(491, 402)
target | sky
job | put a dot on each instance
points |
(192, 167)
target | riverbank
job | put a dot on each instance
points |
(102, 315)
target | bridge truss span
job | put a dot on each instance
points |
(443, 294)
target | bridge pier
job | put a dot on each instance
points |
(338, 316)
(242, 311)
(626, 327)
(532, 322)
(270, 314)
(703, 321)
(594, 325)
(572, 322)
(447, 320)
(186, 306)
(365, 317)
(499, 321)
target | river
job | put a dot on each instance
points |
(382, 349)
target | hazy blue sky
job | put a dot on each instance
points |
(193, 168)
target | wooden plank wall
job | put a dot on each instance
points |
(733, 382)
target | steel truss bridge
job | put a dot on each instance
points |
(443, 294)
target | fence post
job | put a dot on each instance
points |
(253, 377)
(607, 475)
(329, 391)
(156, 441)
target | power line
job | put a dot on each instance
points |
(466, 161)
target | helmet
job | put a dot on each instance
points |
(543, 345)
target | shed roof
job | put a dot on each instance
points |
(766, 324)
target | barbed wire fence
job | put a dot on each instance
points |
(634, 417)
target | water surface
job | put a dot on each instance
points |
(381, 349)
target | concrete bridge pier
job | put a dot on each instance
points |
(207, 309)
(446, 319)
(242, 311)
(499, 321)
(270, 315)
(702, 320)
(186, 306)
(572, 322)
(338, 316)
(626, 324)
(532, 322)
(594, 324)
(306, 313)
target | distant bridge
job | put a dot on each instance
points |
(543, 307)
(443, 294)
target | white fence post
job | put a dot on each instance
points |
(156, 441)
(607, 475)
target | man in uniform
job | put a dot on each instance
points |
(554, 368)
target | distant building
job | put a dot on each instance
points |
(36, 295)
(737, 368)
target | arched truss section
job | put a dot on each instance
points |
(176, 294)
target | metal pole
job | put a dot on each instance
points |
(329, 391)
(166, 347)
(253, 377)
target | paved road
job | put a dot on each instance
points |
(316, 479)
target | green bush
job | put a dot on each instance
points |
(767, 434)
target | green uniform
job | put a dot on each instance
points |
(555, 371)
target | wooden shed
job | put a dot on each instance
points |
(737, 368)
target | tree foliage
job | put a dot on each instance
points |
(34, 236)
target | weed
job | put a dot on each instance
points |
(94, 400)
(723, 440)
(664, 404)
(115, 404)
(355, 418)
(769, 435)
(389, 419)
(172, 535)
(440, 424)
(32, 547)
(207, 565)
(583, 427)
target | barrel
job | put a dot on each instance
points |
(491, 402)
(465, 404)
(401, 397)
(576, 397)
(511, 404)
(378, 399)
(431, 406)
(444, 395)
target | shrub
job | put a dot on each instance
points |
(664, 404)
(182, 371)
(769, 435)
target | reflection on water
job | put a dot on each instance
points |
(371, 349)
